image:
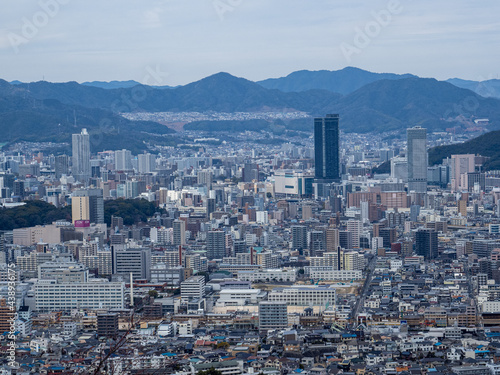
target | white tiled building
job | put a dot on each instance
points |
(95, 294)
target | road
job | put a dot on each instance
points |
(361, 298)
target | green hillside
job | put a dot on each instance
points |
(486, 145)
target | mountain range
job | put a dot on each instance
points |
(366, 102)
(26, 118)
(489, 88)
(342, 81)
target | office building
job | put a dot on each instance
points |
(426, 243)
(332, 239)
(291, 183)
(123, 160)
(345, 239)
(205, 177)
(146, 163)
(95, 294)
(107, 325)
(61, 165)
(299, 237)
(389, 235)
(194, 287)
(314, 295)
(272, 315)
(460, 166)
(250, 172)
(88, 205)
(327, 148)
(417, 159)
(355, 227)
(317, 243)
(179, 232)
(162, 273)
(81, 156)
(135, 261)
(216, 245)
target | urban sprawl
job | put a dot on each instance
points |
(257, 257)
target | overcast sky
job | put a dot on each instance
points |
(185, 40)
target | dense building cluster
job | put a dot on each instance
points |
(260, 258)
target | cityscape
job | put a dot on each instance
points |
(325, 222)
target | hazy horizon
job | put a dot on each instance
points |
(64, 40)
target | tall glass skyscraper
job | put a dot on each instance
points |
(326, 148)
(417, 159)
(81, 156)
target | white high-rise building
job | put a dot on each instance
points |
(146, 163)
(417, 159)
(81, 156)
(377, 243)
(123, 160)
(356, 228)
(194, 287)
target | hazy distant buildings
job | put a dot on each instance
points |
(461, 165)
(123, 160)
(146, 163)
(326, 148)
(250, 172)
(81, 156)
(61, 165)
(417, 159)
(399, 168)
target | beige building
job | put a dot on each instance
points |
(50, 234)
(80, 208)
(460, 166)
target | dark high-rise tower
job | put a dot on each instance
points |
(326, 148)
(426, 243)
(216, 245)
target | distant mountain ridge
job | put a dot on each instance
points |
(119, 84)
(344, 81)
(379, 106)
(488, 89)
(220, 92)
(25, 118)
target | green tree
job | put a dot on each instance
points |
(222, 345)
(153, 293)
